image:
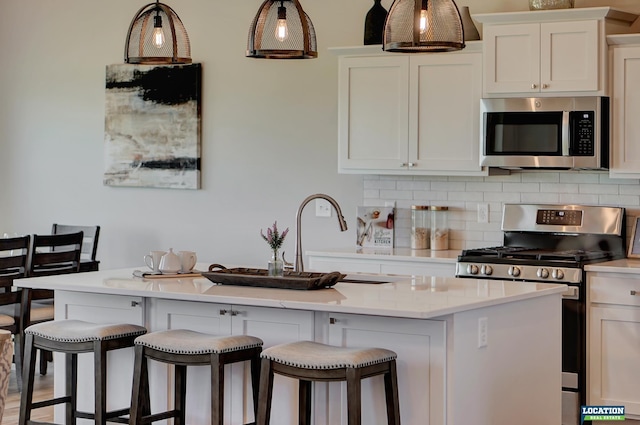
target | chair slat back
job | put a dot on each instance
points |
(55, 254)
(13, 260)
(90, 242)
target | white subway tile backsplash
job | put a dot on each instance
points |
(521, 187)
(449, 186)
(540, 198)
(600, 189)
(619, 200)
(462, 195)
(540, 177)
(579, 178)
(579, 198)
(413, 185)
(379, 184)
(484, 187)
(560, 188)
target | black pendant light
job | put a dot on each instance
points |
(282, 30)
(423, 26)
(157, 36)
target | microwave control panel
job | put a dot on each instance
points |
(582, 133)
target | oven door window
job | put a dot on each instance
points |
(524, 133)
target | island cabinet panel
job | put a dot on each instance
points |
(99, 309)
(421, 365)
(614, 341)
(273, 326)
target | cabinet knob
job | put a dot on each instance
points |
(223, 312)
(333, 320)
(634, 292)
(404, 164)
(411, 164)
(545, 86)
(534, 86)
(135, 303)
(234, 312)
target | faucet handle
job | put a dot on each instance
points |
(287, 265)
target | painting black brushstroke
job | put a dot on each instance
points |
(152, 126)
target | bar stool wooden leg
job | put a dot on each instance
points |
(304, 402)
(100, 390)
(217, 386)
(26, 397)
(255, 381)
(391, 394)
(140, 403)
(71, 389)
(354, 394)
(266, 391)
(180, 395)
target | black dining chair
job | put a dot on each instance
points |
(49, 255)
(88, 262)
(13, 265)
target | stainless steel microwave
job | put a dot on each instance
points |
(551, 132)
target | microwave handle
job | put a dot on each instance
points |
(566, 132)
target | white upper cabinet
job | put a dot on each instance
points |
(409, 114)
(625, 125)
(549, 53)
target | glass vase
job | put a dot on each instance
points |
(275, 266)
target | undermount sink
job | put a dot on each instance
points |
(363, 280)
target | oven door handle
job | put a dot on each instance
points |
(572, 293)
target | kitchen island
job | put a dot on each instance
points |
(469, 350)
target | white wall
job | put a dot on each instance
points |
(268, 138)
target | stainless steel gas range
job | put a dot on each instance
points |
(552, 244)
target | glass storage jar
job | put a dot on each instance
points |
(420, 223)
(439, 228)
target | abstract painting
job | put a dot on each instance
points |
(152, 126)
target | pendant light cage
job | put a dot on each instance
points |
(140, 47)
(443, 30)
(300, 42)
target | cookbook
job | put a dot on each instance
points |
(375, 227)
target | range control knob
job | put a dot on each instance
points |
(486, 270)
(514, 271)
(472, 269)
(557, 274)
(543, 273)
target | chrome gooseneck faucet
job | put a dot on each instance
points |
(299, 266)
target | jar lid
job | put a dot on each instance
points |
(439, 208)
(420, 207)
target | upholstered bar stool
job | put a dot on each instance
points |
(73, 337)
(182, 348)
(311, 361)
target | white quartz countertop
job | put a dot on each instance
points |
(420, 297)
(624, 265)
(402, 254)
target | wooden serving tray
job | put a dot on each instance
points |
(258, 277)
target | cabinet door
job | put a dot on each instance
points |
(512, 58)
(421, 364)
(373, 113)
(614, 376)
(444, 105)
(273, 326)
(569, 56)
(98, 308)
(626, 110)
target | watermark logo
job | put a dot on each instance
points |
(601, 413)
